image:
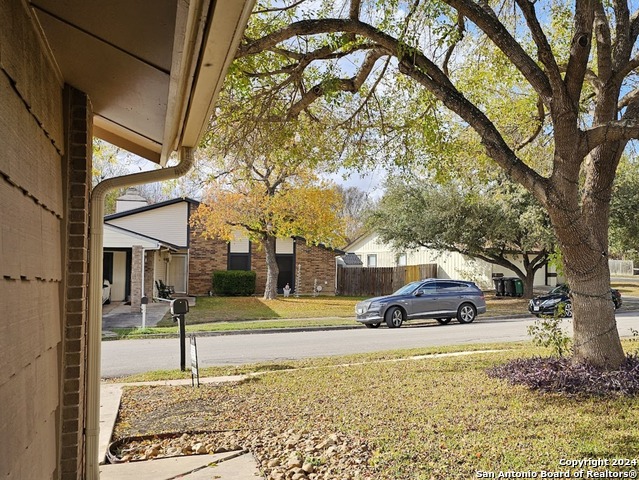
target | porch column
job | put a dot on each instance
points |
(149, 274)
(137, 266)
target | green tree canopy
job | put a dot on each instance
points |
(500, 223)
(266, 187)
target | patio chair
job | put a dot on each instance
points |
(163, 290)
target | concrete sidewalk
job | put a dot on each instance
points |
(119, 315)
(239, 465)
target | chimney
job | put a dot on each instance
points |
(130, 200)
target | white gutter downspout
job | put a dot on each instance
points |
(94, 327)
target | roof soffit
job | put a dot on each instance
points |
(152, 68)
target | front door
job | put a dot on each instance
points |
(178, 273)
(286, 265)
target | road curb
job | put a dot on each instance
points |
(110, 336)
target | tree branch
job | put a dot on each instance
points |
(461, 28)
(626, 69)
(279, 9)
(483, 16)
(579, 50)
(630, 98)
(622, 130)
(604, 43)
(541, 115)
(544, 50)
(416, 65)
(352, 84)
(353, 12)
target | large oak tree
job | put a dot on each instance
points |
(268, 189)
(496, 223)
(569, 69)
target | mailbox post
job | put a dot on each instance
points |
(179, 307)
(143, 303)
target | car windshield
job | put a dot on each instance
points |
(408, 288)
(560, 289)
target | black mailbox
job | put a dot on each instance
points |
(179, 306)
(144, 301)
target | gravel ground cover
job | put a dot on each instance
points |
(439, 418)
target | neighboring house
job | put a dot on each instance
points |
(143, 75)
(160, 238)
(146, 243)
(375, 253)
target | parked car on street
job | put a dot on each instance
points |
(558, 298)
(442, 300)
(106, 292)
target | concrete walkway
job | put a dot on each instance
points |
(119, 315)
(239, 465)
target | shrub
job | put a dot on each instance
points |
(233, 282)
(564, 375)
(547, 332)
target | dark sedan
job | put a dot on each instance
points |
(552, 303)
(431, 298)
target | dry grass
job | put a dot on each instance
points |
(437, 418)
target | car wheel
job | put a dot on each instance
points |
(372, 325)
(443, 321)
(568, 310)
(394, 317)
(466, 313)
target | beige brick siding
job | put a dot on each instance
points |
(43, 212)
(31, 245)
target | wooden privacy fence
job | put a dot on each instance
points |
(376, 281)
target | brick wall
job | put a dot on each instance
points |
(317, 263)
(78, 139)
(205, 256)
(149, 269)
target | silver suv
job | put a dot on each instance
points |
(431, 298)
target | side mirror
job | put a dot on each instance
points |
(418, 293)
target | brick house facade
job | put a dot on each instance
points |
(316, 265)
(169, 222)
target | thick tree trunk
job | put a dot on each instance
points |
(529, 282)
(584, 245)
(596, 339)
(272, 270)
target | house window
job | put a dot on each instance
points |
(239, 254)
(371, 260)
(401, 260)
(239, 261)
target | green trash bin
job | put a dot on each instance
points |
(519, 287)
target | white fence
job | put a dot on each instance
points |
(621, 267)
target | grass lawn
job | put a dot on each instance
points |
(220, 309)
(432, 418)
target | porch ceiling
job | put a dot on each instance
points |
(152, 68)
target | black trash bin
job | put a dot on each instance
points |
(509, 287)
(499, 286)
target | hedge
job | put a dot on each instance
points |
(233, 282)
